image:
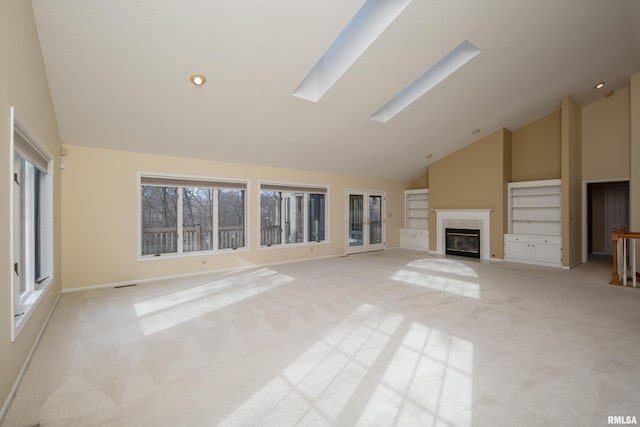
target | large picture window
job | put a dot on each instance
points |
(32, 217)
(181, 215)
(292, 214)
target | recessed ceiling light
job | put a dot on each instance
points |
(599, 85)
(475, 131)
(198, 79)
(439, 71)
(364, 28)
(428, 156)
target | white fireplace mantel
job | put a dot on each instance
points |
(482, 215)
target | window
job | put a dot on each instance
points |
(270, 218)
(159, 220)
(316, 217)
(181, 215)
(32, 217)
(292, 214)
(231, 210)
(197, 219)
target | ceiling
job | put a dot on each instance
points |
(119, 76)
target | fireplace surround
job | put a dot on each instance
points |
(464, 218)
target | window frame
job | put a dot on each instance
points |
(190, 181)
(30, 195)
(294, 189)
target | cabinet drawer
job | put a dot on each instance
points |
(550, 240)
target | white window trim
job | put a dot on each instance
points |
(20, 317)
(298, 186)
(144, 258)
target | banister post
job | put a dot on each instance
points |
(615, 278)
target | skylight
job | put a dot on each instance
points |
(439, 71)
(364, 28)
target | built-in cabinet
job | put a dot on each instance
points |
(415, 234)
(535, 223)
(533, 249)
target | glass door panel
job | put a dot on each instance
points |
(375, 220)
(356, 220)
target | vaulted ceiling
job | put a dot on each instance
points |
(119, 76)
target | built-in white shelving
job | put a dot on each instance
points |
(416, 209)
(535, 222)
(415, 235)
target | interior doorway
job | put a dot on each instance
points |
(607, 207)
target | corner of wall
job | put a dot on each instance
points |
(571, 175)
(420, 182)
(507, 157)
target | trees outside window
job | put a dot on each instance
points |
(231, 210)
(270, 218)
(292, 214)
(316, 217)
(211, 217)
(159, 220)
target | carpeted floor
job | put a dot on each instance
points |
(393, 338)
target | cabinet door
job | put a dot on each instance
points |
(405, 238)
(517, 250)
(422, 240)
(414, 239)
(546, 251)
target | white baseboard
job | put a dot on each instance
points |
(14, 389)
(185, 275)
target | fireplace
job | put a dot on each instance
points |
(462, 242)
(464, 218)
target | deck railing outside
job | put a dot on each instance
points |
(165, 240)
(270, 235)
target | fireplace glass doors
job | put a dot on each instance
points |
(463, 242)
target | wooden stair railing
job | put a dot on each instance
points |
(623, 237)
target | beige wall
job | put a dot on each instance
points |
(472, 178)
(536, 150)
(606, 137)
(100, 222)
(571, 158)
(420, 182)
(23, 84)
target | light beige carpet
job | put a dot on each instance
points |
(394, 338)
